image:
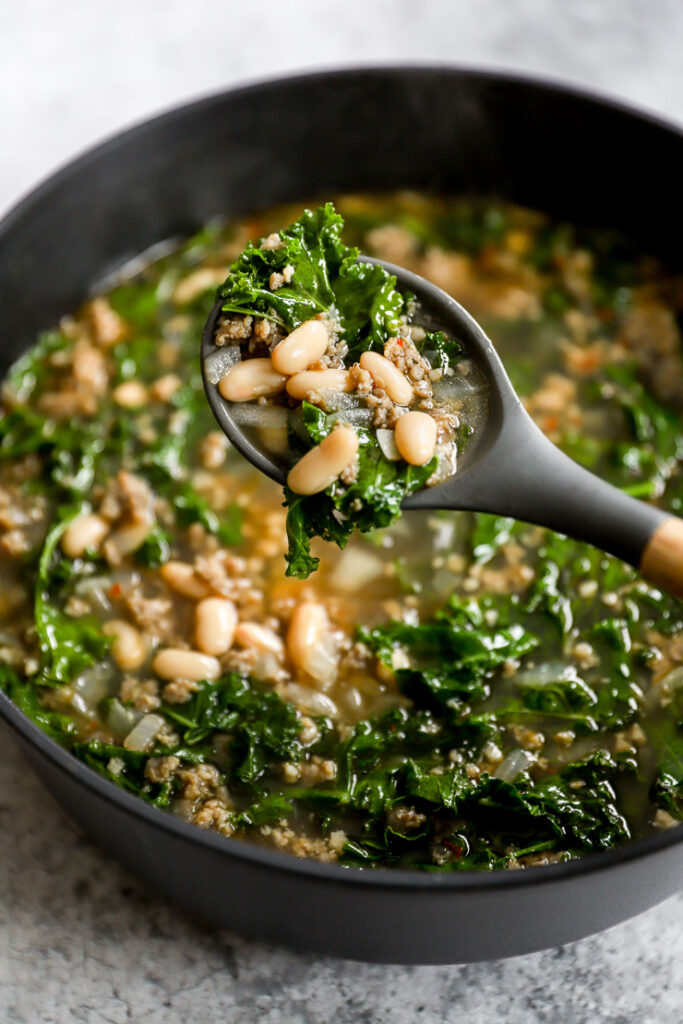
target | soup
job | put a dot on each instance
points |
(450, 692)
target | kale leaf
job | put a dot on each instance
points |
(666, 736)
(668, 786)
(262, 727)
(68, 645)
(656, 429)
(71, 449)
(26, 696)
(399, 798)
(127, 767)
(326, 274)
(451, 659)
(371, 501)
(155, 550)
(488, 536)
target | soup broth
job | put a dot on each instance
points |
(451, 692)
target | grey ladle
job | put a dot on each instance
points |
(512, 468)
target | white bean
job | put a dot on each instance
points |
(213, 450)
(181, 577)
(215, 621)
(302, 347)
(90, 367)
(128, 649)
(250, 379)
(164, 388)
(198, 282)
(177, 663)
(84, 533)
(261, 638)
(415, 437)
(301, 384)
(322, 465)
(310, 643)
(388, 377)
(128, 538)
(306, 626)
(131, 394)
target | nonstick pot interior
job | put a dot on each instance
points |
(437, 129)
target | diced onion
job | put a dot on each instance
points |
(92, 686)
(247, 414)
(120, 720)
(353, 699)
(216, 365)
(339, 401)
(355, 569)
(142, 735)
(81, 706)
(95, 589)
(545, 674)
(443, 532)
(358, 417)
(447, 454)
(387, 442)
(663, 691)
(310, 701)
(455, 389)
(512, 764)
(322, 661)
(266, 667)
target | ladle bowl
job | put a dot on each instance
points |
(512, 468)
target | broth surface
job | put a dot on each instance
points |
(454, 691)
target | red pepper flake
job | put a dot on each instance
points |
(455, 848)
(115, 591)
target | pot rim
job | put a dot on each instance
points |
(380, 878)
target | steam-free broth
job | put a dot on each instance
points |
(451, 691)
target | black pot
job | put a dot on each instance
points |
(446, 130)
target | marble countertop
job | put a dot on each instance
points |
(80, 939)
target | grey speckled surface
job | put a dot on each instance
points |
(80, 940)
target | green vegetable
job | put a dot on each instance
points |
(391, 764)
(371, 501)
(127, 768)
(666, 736)
(489, 535)
(190, 507)
(68, 645)
(262, 726)
(326, 274)
(155, 549)
(453, 659)
(71, 449)
(27, 698)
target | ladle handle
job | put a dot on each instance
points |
(662, 560)
(547, 487)
(544, 486)
(525, 476)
